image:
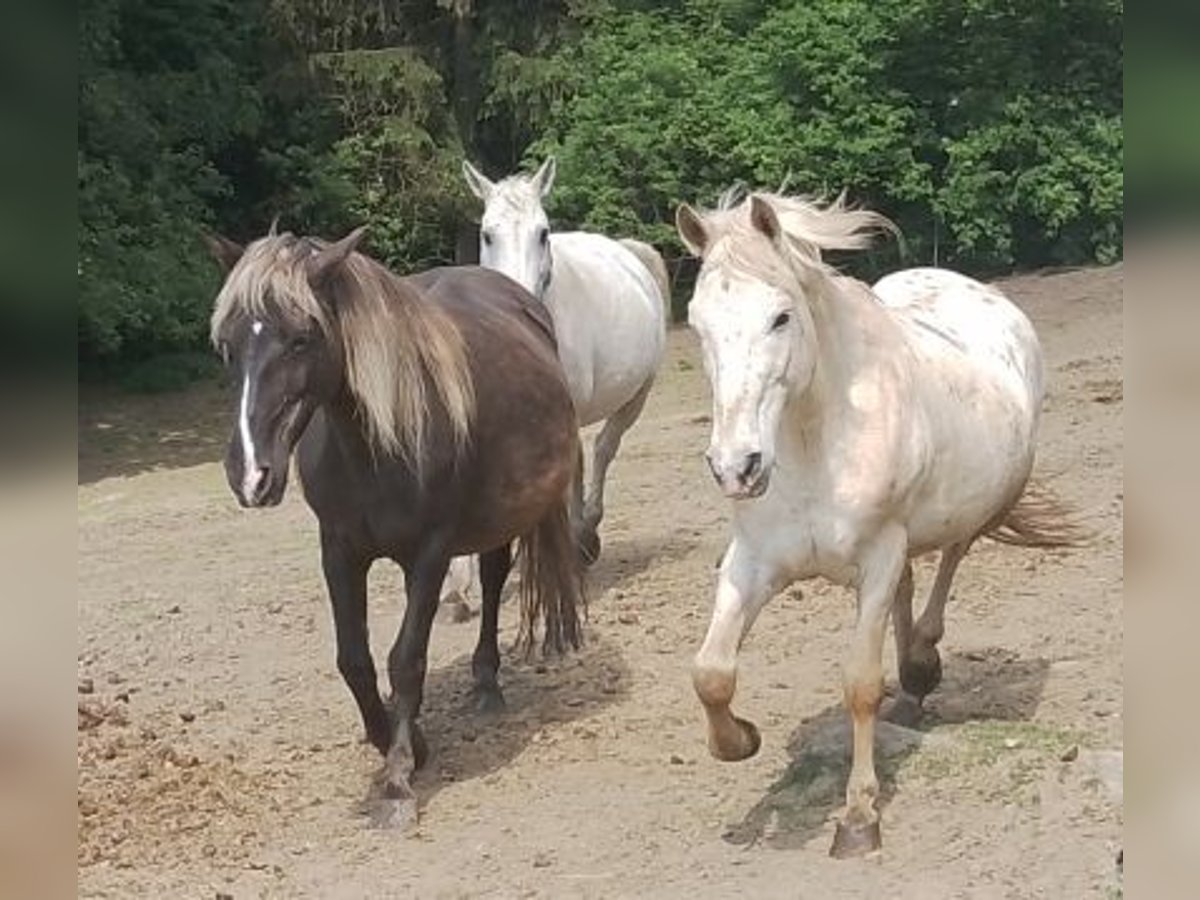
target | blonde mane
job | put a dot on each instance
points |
(393, 340)
(810, 226)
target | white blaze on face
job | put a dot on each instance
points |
(251, 473)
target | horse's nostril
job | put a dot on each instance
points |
(751, 467)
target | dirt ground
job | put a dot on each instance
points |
(219, 751)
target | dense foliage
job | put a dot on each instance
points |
(989, 129)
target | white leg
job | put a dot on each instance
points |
(607, 444)
(744, 587)
(881, 569)
(456, 588)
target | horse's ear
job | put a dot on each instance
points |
(223, 250)
(480, 186)
(691, 229)
(763, 218)
(325, 261)
(544, 179)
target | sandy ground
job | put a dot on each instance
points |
(219, 751)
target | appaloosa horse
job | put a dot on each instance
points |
(429, 418)
(853, 429)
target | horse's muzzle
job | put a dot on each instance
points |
(743, 478)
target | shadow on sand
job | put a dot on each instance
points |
(623, 559)
(541, 693)
(990, 685)
(123, 434)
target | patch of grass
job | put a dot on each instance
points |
(1018, 752)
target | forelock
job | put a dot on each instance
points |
(515, 196)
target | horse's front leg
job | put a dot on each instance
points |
(745, 586)
(406, 670)
(346, 580)
(880, 572)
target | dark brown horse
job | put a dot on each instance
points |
(430, 418)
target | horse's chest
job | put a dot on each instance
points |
(805, 536)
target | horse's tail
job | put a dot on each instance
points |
(1039, 519)
(653, 261)
(551, 584)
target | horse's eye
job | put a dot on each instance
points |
(487, 238)
(543, 236)
(781, 320)
(299, 343)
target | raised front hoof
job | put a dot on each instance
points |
(588, 542)
(742, 744)
(454, 610)
(489, 701)
(855, 838)
(904, 710)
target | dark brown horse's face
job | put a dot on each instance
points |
(284, 372)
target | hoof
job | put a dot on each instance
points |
(589, 547)
(905, 710)
(743, 747)
(393, 814)
(855, 839)
(489, 701)
(454, 610)
(922, 672)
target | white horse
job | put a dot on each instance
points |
(853, 429)
(608, 300)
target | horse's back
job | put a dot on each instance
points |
(610, 319)
(524, 427)
(979, 383)
(958, 323)
(483, 297)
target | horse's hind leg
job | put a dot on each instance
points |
(920, 663)
(607, 444)
(494, 567)
(905, 709)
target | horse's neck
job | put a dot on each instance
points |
(819, 415)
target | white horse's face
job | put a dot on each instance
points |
(756, 337)
(754, 354)
(514, 233)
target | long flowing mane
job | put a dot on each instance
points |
(810, 225)
(396, 344)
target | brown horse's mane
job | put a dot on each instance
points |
(395, 342)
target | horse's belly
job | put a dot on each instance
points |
(981, 453)
(604, 375)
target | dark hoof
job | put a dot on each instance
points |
(747, 744)
(922, 672)
(589, 547)
(454, 611)
(904, 710)
(489, 701)
(855, 839)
